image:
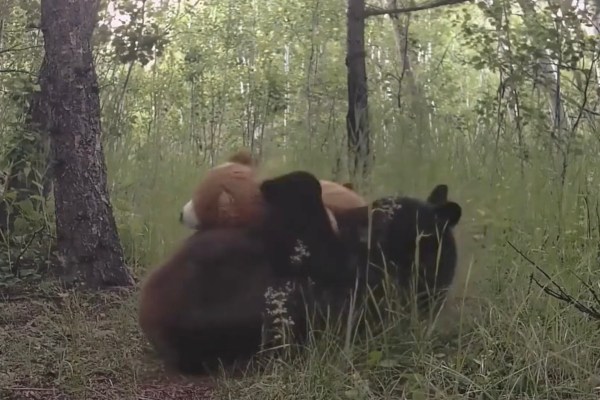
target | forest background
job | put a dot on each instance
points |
(498, 99)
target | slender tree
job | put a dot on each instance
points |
(87, 237)
(357, 118)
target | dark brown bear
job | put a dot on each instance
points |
(206, 304)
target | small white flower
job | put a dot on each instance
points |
(300, 253)
(275, 308)
(389, 208)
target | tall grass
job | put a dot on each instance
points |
(499, 336)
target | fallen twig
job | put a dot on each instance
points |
(558, 291)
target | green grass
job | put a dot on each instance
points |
(499, 337)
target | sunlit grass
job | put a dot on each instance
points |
(500, 336)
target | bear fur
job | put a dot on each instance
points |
(298, 218)
(385, 236)
(206, 304)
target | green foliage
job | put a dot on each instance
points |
(139, 39)
(25, 232)
(25, 238)
(183, 84)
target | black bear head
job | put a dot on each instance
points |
(302, 247)
(411, 238)
(298, 227)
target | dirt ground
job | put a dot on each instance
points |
(67, 345)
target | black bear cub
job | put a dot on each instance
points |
(299, 226)
(303, 248)
(412, 239)
(419, 240)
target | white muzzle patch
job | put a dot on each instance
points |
(188, 216)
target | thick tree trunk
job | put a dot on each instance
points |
(357, 119)
(87, 237)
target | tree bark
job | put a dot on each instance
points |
(87, 238)
(357, 118)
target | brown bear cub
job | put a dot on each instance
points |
(206, 304)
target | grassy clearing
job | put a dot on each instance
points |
(500, 337)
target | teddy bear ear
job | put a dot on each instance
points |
(244, 157)
(439, 195)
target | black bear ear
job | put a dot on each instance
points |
(267, 187)
(439, 195)
(449, 212)
(296, 185)
(304, 184)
